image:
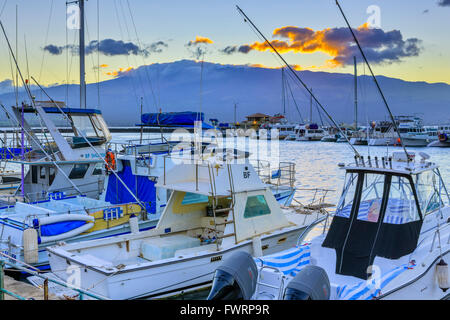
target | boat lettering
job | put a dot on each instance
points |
(217, 258)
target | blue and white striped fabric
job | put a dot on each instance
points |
(368, 290)
(290, 261)
(363, 210)
(399, 211)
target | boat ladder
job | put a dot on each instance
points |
(215, 206)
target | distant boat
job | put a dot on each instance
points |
(443, 134)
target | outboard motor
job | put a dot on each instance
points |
(235, 279)
(311, 283)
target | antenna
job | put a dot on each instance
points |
(374, 78)
(246, 19)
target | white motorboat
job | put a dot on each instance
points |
(389, 239)
(213, 211)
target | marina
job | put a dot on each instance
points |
(331, 194)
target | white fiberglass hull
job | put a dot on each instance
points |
(162, 278)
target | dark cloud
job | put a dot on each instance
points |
(198, 47)
(444, 3)
(379, 46)
(110, 47)
(157, 47)
(55, 50)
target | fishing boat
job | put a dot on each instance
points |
(213, 211)
(388, 239)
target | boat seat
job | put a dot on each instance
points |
(159, 248)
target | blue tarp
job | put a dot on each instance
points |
(172, 118)
(141, 186)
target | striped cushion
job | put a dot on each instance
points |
(290, 261)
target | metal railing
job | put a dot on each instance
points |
(282, 174)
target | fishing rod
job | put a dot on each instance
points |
(247, 19)
(88, 142)
(375, 80)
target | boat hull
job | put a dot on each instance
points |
(166, 278)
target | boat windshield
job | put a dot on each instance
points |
(401, 205)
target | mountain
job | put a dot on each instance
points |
(177, 86)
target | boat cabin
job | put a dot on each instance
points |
(70, 145)
(381, 211)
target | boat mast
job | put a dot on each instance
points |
(356, 94)
(283, 92)
(375, 80)
(82, 57)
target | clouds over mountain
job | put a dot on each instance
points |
(379, 46)
(198, 47)
(110, 47)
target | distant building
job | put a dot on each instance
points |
(256, 119)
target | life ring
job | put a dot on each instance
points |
(443, 137)
(110, 161)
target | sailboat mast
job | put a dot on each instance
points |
(82, 57)
(310, 106)
(356, 95)
(283, 92)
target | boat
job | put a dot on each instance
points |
(413, 132)
(214, 210)
(443, 134)
(309, 132)
(388, 239)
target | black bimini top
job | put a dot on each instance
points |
(379, 215)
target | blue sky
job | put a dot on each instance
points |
(176, 22)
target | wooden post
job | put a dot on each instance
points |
(46, 289)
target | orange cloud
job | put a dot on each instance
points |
(199, 39)
(379, 46)
(104, 66)
(118, 72)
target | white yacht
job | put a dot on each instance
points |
(389, 239)
(213, 211)
(309, 132)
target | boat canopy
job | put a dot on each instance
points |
(380, 213)
(174, 119)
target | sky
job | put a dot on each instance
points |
(405, 39)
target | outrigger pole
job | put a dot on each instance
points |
(247, 19)
(374, 78)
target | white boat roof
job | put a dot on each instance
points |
(207, 178)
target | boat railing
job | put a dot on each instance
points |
(282, 174)
(9, 261)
